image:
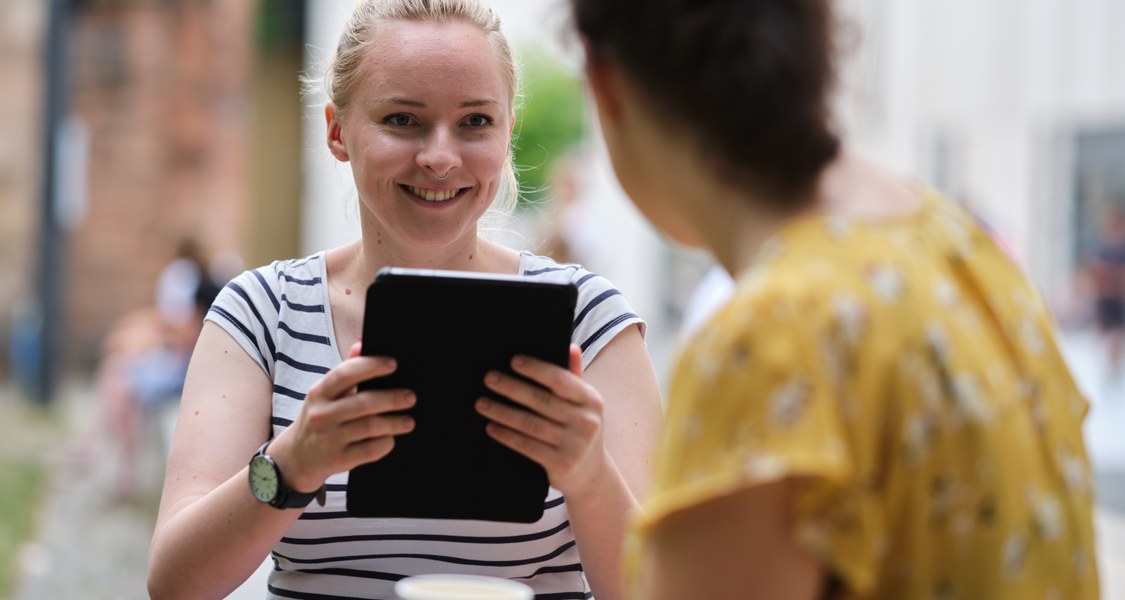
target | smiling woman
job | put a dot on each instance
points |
(440, 142)
(420, 103)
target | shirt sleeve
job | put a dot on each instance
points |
(600, 314)
(247, 308)
(757, 398)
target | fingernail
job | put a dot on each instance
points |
(482, 404)
(408, 398)
(519, 361)
(492, 378)
(407, 423)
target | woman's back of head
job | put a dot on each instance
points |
(747, 81)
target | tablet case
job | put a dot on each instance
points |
(446, 329)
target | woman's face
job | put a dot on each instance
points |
(427, 131)
(640, 145)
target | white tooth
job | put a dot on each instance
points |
(432, 196)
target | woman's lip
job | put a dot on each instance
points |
(427, 188)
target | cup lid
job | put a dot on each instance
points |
(461, 587)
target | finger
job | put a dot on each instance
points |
(536, 450)
(355, 350)
(326, 416)
(534, 397)
(373, 402)
(351, 373)
(523, 421)
(576, 360)
(368, 450)
(358, 430)
(562, 382)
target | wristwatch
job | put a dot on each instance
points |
(268, 486)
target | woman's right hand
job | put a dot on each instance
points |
(340, 427)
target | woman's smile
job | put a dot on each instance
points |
(435, 196)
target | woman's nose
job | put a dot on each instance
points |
(439, 153)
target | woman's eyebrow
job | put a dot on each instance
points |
(478, 102)
(403, 101)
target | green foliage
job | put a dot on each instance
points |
(21, 484)
(549, 121)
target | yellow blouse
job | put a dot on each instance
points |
(907, 371)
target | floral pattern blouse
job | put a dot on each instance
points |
(905, 369)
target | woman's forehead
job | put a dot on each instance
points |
(424, 57)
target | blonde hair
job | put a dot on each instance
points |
(343, 67)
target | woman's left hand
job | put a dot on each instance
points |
(561, 427)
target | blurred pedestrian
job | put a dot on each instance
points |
(421, 104)
(881, 410)
(1108, 278)
(144, 356)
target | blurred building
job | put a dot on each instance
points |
(184, 121)
(1015, 107)
(21, 27)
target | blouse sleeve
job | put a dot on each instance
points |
(758, 397)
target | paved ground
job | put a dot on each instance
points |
(93, 546)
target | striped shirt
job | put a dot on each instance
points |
(281, 316)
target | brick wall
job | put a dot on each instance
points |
(192, 115)
(163, 88)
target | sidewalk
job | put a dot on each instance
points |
(89, 545)
(92, 547)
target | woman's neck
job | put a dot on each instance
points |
(357, 263)
(739, 222)
(728, 221)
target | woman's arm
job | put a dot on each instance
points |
(211, 533)
(736, 547)
(622, 372)
(594, 433)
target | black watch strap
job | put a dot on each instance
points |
(288, 497)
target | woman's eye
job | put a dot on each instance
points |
(478, 120)
(398, 120)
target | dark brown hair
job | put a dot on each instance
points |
(749, 79)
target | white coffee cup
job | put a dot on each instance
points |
(461, 587)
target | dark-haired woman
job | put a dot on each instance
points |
(881, 411)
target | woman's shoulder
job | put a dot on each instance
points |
(269, 284)
(547, 269)
(307, 270)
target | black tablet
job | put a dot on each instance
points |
(446, 329)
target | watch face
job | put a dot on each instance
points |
(263, 479)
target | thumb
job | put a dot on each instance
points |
(575, 359)
(354, 351)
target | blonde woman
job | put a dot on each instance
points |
(421, 96)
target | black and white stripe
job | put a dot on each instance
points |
(281, 316)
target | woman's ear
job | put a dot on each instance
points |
(335, 133)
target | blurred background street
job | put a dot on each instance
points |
(138, 134)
